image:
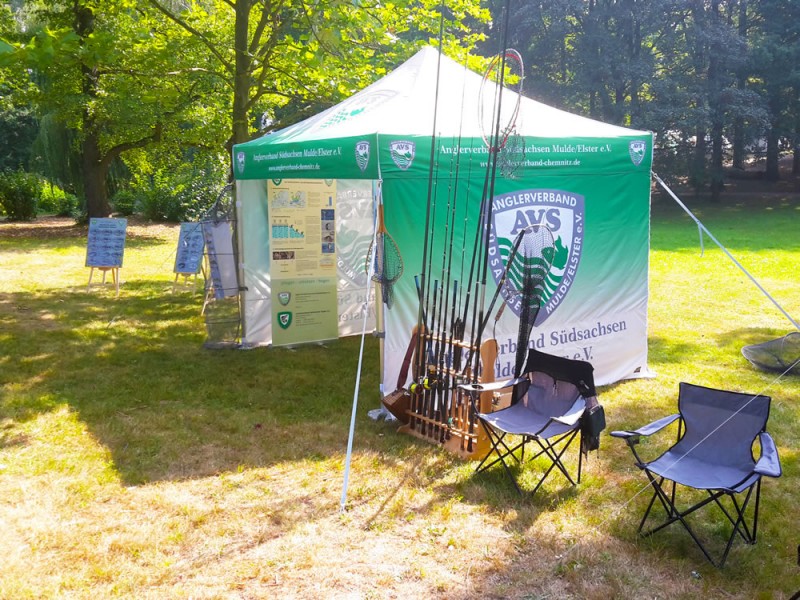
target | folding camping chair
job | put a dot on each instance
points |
(716, 433)
(547, 405)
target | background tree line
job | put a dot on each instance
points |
(135, 104)
(717, 81)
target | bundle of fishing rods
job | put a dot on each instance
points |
(453, 316)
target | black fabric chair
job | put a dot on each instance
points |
(714, 453)
(547, 407)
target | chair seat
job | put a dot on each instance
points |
(520, 420)
(699, 474)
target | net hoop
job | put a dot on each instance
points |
(511, 60)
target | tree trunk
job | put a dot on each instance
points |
(741, 83)
(697, 166)
(241, 85)
(717, 180)
(772, 172)
(94, 177)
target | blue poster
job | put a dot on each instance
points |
(106, 243)
(190, 248)
(221, 262)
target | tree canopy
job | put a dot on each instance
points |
(89, 89)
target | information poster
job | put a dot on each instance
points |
(303, 268)
(219, 245)
(106, 243)
(190, 248)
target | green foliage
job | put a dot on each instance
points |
(54, 200)
(17, 129)
(54, 154)
(125, 202)
(181, 193)
(160, 204)
(19, 194)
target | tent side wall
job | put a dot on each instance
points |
(253, 228)
(599, 212)
(354, 224)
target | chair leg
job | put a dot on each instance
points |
(496, 440)
(500, 450)
(548, 448)
(737, 518)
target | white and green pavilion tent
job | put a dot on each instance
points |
(586, 180)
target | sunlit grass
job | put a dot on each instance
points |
(135, 463)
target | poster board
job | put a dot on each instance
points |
(303, 262)
(189, 255)
(106, 243)
(221, 259)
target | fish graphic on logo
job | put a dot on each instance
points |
(362, 155)
(637, 149)
(284, 298)
(562, 212)
(284, 319)
(402, 153)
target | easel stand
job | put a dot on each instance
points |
(185, 283)
(105, 270)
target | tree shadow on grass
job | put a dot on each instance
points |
(135, 371)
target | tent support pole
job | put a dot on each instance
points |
(365, 313)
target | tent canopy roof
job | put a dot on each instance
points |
(386, 130)
(402, 103)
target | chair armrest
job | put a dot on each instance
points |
(768, 463)
(649, 429)
(574, 414)
(492, 386)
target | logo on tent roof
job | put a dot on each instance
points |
(352, 107)
(362, 155)
(637, 149)
(403, 153)
(560, 211)
(240, 161)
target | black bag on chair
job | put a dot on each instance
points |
(592, 423)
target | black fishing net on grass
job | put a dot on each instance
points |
(780, 355)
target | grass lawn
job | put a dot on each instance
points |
(135, 463)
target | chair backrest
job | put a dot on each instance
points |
(578, 372)
(720, 426)
(548, 396)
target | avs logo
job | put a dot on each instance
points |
(284, 298)
(362, 155)
(240, 158)
(403, 153)
(284, 319)
(636, 150)
(562, 213)
(277, 181)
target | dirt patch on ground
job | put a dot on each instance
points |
(47, 227)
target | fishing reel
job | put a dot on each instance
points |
(425, 383)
